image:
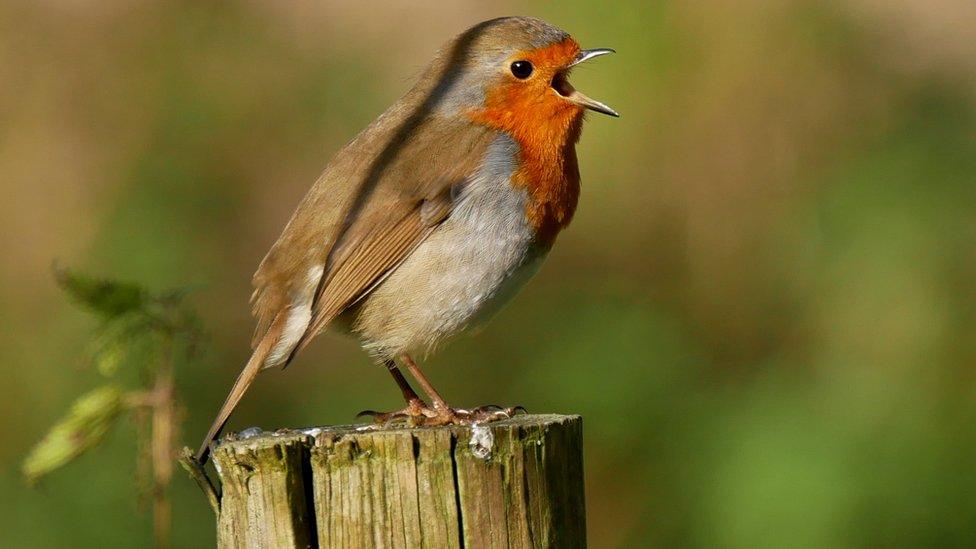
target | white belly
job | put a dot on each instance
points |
(460, 275)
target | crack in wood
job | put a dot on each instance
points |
(346, 487)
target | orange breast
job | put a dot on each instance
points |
(546, 127)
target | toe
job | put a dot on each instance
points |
(367, 413)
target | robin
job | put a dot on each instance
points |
(432, 217)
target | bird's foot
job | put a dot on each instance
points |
(416, 412)
(419, 414)
(485, 414)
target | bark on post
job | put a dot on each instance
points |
(512, 483)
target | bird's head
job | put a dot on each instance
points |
(512, 73)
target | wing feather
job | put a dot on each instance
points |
(400, 211)
(382, 250)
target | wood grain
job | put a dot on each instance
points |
(512, 483)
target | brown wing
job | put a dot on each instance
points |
(378, 199)
(361, 262)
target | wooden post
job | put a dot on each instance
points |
(511, 483)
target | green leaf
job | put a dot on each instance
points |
(107, 298)
(86, 425)
(118, 340)
(108, 358)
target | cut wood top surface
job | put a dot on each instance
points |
(254, 437)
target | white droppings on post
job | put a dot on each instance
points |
(250, 432)
(482, 441)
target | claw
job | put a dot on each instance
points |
(420, 414)
(388, 418)
(489, 412)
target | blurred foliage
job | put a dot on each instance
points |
(108, 299)
(150, 332)
(764, 308)
(134, 322)
(83, 428)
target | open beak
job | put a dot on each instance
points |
(565, 89)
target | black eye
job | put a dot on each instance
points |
(522, 69)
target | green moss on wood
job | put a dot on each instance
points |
(400, 487)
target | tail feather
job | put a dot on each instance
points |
(244, 379)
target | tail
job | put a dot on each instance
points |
(244, 379)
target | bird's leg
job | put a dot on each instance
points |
(415, 371)
(447, 415)
(418, 412)
(409, 394)
(416, 409)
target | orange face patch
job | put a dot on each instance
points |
(546, 126)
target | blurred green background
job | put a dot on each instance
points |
(765, 308)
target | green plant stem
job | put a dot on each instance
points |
(163, 436)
